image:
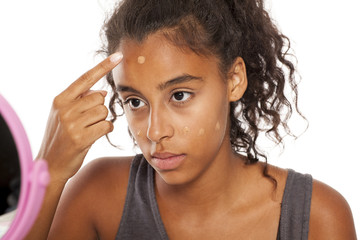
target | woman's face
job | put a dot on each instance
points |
(176, 105)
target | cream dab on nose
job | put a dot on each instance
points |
(141, 59)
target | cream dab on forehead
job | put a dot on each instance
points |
(141, 59)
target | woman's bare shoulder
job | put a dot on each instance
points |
(106, 168)
(104, 174)
(330, 215)
(94, 197)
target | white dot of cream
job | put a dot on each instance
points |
(201, 132)
(141, 59)
(217, 127)
(186, 130)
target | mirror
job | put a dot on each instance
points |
(9, 177)
(22, 181)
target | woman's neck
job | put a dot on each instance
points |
(217, 187)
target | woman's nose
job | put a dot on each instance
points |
(159, 126)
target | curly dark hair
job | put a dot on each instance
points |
(226, 29)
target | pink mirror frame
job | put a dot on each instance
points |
(34, 177)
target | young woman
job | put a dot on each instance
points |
(198, 82)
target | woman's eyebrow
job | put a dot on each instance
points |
(161, 86)
(177, 80)
(123, 88)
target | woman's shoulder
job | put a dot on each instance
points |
(107, 167)
(96, 196)
(330, 215)
(107, 176)
(104, 174)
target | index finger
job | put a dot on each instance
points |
(88, 79)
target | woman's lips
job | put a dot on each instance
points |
(167, 161)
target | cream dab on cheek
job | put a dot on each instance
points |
(138, 133)
(217, 126)
(201, 132)
(141, 59)
(186, 130)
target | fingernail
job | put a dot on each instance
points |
(116, 57)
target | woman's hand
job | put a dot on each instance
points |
(77, 119)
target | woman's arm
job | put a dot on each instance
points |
(77, 119)
(330, 215)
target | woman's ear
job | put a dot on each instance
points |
(237, 80)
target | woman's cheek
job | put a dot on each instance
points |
(134, 126)
(200, 131)
(138, 132)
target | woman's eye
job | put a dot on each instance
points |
(134, 103)
(181, 96)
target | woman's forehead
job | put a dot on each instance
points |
(156, 58)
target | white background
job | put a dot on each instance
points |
(45, 45)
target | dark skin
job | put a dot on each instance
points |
(211, 194)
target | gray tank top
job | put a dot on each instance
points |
(141, 217)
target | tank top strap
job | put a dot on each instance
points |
(295, 207)
(141, 217)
